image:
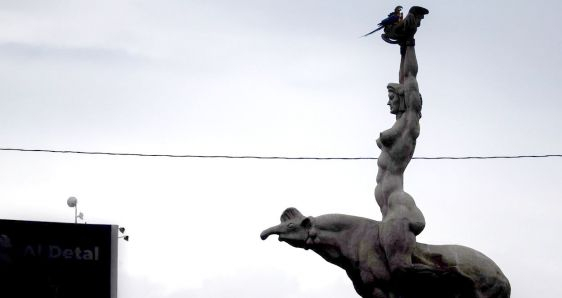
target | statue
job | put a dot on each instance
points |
(354, 244)
(383, 258)
(402, 221)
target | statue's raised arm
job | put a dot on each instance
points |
(404, 34)
(408, 80)
(405, 100)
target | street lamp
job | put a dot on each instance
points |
(72, 202)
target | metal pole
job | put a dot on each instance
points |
(76, 213)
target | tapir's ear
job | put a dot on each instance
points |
(290, 213)
(307, 222)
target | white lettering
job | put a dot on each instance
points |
(67, 254)
(58, 252)
(78, 253)
(88, 255)
(28, 251)
(54, 251)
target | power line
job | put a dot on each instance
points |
(271, 157)
(490, 157)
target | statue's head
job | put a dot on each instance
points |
(396, 99)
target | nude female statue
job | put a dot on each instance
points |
(402, 220)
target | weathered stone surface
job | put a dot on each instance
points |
(383, 259)
(353, 243)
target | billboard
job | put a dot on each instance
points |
(57, 260)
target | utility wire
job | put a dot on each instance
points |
(271, 157)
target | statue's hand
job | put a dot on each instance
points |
(410, 21)
(411, 24)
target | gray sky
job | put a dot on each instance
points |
(288, 78)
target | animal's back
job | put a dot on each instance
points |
(471, 267)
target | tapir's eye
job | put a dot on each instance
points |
(291, 226)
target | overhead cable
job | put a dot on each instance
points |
(271, 157)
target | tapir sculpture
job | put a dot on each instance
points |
(352, 243)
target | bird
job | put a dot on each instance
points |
(393, 18)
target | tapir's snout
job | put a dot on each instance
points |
(293, 228)
(292, 234)
(273, 230)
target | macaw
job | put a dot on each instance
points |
(393, 18)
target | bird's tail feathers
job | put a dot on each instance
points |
(379, 28)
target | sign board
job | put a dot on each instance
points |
(57, 260)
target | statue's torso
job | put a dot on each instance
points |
(397, 146)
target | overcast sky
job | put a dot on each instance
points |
(285, 78)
